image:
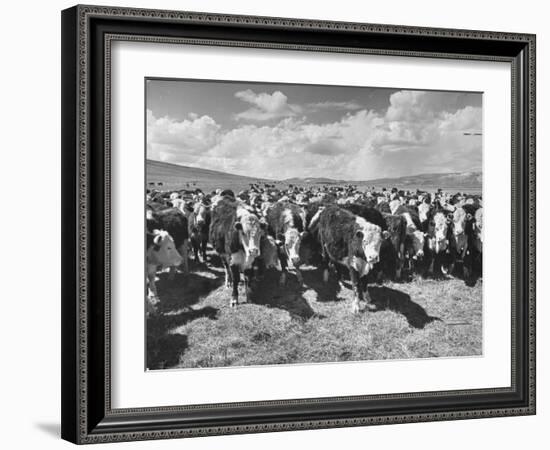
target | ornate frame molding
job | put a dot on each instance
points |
(77, 21)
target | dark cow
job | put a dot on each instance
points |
(392, 250)
(351, 241)
(200, 229)
(235, 235)
(286, 223)
(175, 223)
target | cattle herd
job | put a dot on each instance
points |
(367, 235)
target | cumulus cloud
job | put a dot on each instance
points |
(167, 138)
(266, 106)
(418, 133)
(331, 106)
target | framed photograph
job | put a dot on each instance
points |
(280, 224)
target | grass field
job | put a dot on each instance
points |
(194, 327)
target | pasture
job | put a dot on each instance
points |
(292, 324)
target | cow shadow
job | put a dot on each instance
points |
(185, 290)
(385, 298)
(164, 349)
(289, 297)
(326, 292)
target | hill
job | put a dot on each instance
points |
(471, 181)
(174, 176)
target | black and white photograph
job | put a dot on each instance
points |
(296, 224)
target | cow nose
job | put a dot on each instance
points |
(295, 262)
(372, 259)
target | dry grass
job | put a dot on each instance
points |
(423, 318)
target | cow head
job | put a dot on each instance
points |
(201, 213)
(459, 228)
(438, 233)
(164, 250)
(292, 241)
(479, 229)
(370, 236)
(250, 232)
(417, 238)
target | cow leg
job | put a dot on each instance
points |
(247, 283)
(236, 276)
(299, 276)
(152, 297)
(357, 294)
(283, 260)
(203, 249)
(227, 271)
(183, 249)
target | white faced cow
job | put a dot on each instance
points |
(235, 235)
(351, 241)
(286, 223)
(161, 252)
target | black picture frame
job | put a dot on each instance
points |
(87, 32)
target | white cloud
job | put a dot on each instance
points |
(418, 133)
(331, 106)
(266, 106)
(167, 138)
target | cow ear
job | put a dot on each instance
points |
(359, 234)
(281, 237)
(238, 226)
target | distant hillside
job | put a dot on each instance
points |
(456, 180)
(462, 180)
(313, 180)
(174, 176)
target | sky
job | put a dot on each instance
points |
(280, 131)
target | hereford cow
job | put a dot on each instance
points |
(235, 235)
(200, 227)
(392, 250)
(286, 223)
(438, 238)
(462, 229)
(161, 252)
(415, 239)
(175, 223)
(351, 241)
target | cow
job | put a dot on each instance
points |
(286, 223)
(462, 229)
(161, 251)
(351, 241)
(415, 238)
(175, 223)
(200, 227)
(235, 235)
(424, 215)
(438, 238)
(392, 250)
